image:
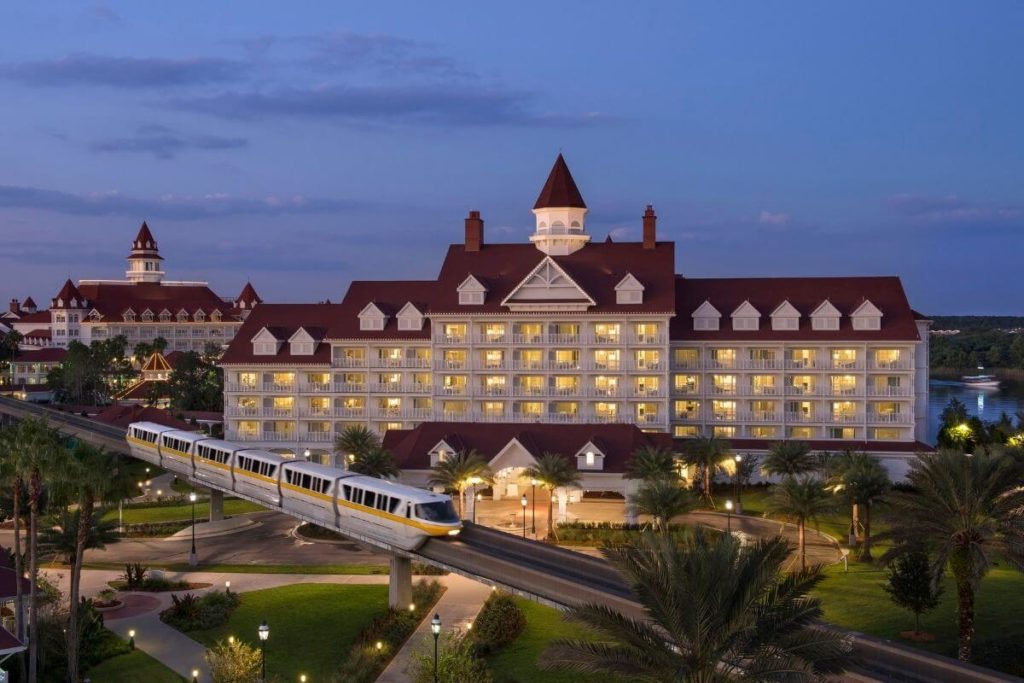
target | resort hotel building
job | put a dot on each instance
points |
(584, 342)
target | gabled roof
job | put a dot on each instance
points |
(249, 296)
(282, 321)
(28, 303)
(785, 310)
(156, 363)
(745, 310)
(66, 295)
(866, 308)
(706, 310)
(629, 282)
(122, 416)
(560, 189)
(471, 284)
(47, 355)
(546, 273)
(269, 333)
(408, 308)
(372, 309)
(827, 309)
(110, 299)
(307, 334)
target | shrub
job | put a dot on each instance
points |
(191, 613)
(233, 662)
(134, 575)
(499, 623)
(423, 569)
(457, 662)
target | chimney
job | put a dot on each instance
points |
(474, 231)
(650, 232)
(14, 307)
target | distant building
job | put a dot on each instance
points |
(150, 388)
(141, 307)
(564, 330)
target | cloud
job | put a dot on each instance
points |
(952, 210)
(772, 218)
(124, 72)
(165, 143)
(175, 207)
(439, 105)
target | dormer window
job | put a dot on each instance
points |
(439, 452)
(472, 292)
(825, 317)
(95, 315)
(746, 317)
(785, 317)
(302, 343)
(590, 457)
(410, 318)
(147, 316)
(182, 316)
(200, 316)
(372, 318)
(867, 316)
(706, 317)
(129, 316)
(629, 291)
(165, 316)
(265, 343)
(215, 316)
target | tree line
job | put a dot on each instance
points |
(990, 348)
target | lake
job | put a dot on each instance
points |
(987, 404)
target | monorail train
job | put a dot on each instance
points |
(361, 506)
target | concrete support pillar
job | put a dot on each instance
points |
(470, 504)
(400, 583)
(216, 506)
(631, 489)
(563, 505)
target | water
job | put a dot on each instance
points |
(988, 404)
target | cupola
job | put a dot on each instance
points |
(144, 261)
(560, 214)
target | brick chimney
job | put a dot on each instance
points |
(14, 307)
(650, 231)
(474, 231)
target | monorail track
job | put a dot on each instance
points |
(553, 575)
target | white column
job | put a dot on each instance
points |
(400, 583)
(563, 504)
(216, 505)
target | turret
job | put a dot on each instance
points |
(560, 213)
(144, 261)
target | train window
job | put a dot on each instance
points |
(370, 499)
(346, 491)
(441, 511)
(357, 496)
(408, 510)
(395, 502)
(382, 502)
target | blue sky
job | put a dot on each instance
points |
(305, 144)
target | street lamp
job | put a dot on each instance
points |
(195, 675)
(264, 631)
(522, 501)
(193, 559)
(435, 628)
(739, 484)
(306, 453)
(131, 639)
(728, 517)
(533, 495)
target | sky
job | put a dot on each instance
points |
(305, 144)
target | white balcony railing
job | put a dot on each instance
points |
(344, 362)
(901, 364)
(890, 391)
(890, 418)
(278, 387)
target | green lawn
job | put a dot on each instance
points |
(856, 600)
(131, 668)
(153, 514)
(312, 626)
(518, 661)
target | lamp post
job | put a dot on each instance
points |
(522, 501)
(533, 514)
(728, 517)
(195, 675)
(193, 559)
(264, 631)
(131, 639)
(739, 484)
(435, 628)
(306, 453)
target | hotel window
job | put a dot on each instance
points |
(529, 333)
(248, 402)
(646, 412)
(606, 333)
(565, 332)
(606, 359)
(454, 384)
(165, 317)
(647, 332)
(844, 410)
(454, 332)
(798, 409)
(350, 354)
(648, 360)
(843, 385)
(531, 408)
(724, 432)
(248, 429)
(494, 332)
(685, 431)
(723, 358)
(801, 432)
(802, 358)
(606, 411)
(762, 358)
(646, 386)
(844, 358)
(686, 358)
(802, 384)
(606, 386)
(531, 385)
(687, 410)
(388, 426)
(565, 408)
(566, 386)
(423, 405)
(455, 358)
(844, 433)
(763, 432)
(421, 379)
(389, 355)
(390, 405)
(493, 384)
(685, 384)
(566, 359)
(723, 410)
(320, 405)
(247, 379)
(762, 385)
(454, 408)
(887, 408)
(887, 358)
(493, 358)
(887, 434)
(351, 403)
(318, 378)
(282, 378)
(763, 410)
(390, 378)
(531, 360)
(318, 427)
(494, 408)
(723, 384)
(282, 402)
(355, 378)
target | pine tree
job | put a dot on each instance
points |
(911, 585)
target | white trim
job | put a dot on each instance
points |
(549, 262)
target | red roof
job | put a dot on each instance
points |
(122, 416)
(144, 242)
(805, 294)
(66, 295)
(29, 303)
(560, 189)
(282, 321)
(8, 643)
(48, 355)
(9, 583)
(113, 299)
(248, 296)
(832, 446)
(142, 391)
(37, 334)
(37, 317)
(411, 447)
(173, 357)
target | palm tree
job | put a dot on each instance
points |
(789, 459)
(863, 481)
(714, 611)
(375, 462)
(455, 472)
(801, 501)
(553, 471)
(652, 462)
(964, 509)
(663, 499)
(61, 536)
(707, 453)
(11, 472)
(354, 441)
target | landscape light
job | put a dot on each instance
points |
(380, 646)
(192, 497)
(195, 675)
(412, 606)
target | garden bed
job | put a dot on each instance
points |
(158, 585)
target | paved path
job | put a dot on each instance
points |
(458, 608)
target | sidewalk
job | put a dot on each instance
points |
(458, 608)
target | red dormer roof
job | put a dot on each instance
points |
(28, 303)
(248, 296)
(560, 189)
(144, 245)
(112, 299)
(66, 295)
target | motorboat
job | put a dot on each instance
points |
(980, 380)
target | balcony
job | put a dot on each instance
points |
(890, 391)
(714, 364)
(453, 390)
(845, 365)
(315, 387)
(764, 391)
(804, 364)
(604, 339)
(642, 366)
(843, 418)
(564, 338)
(404, 362)
(723, 415)
(650, 419)
(345, 362)
(648, 339)
(760, 416)
(232, 435)
(901, 364)
(450, 338)
(686, 364)
(241, 411)
(688, 416)
(451, 364)
(685, 391)
(340, 411)
(761, 364)
(278, 387)
(796, 417)
(723, 391)
(317, 437)
(801, 391)
(349, 387)
(484, 339)
(495, 391)
(890, 418)
(842, 391)
(485, 365)
(402, 413)
(316, 412)
(528, 338)
(240, 386)
(645, 392)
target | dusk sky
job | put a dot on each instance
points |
(305, 144)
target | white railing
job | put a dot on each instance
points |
(442, 364)
(450, 338)
(404, 362)
(804, 364)
(890, 418)
(495, 391)
(760, 416)
(761, 364)
(342, 362)
(801, 391)
(763, 391)
(240, 386)
(242, 411)
(315, 387)
(685, 391)
(349, 412)
(483, 338)
(654, 339)
(890, 391)
(901, 364)
(693, 364)
(316, 412)
(278, 387)
(452, 390)
(317, 437)
(723, 391)
(518, 338)
(349, 388)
